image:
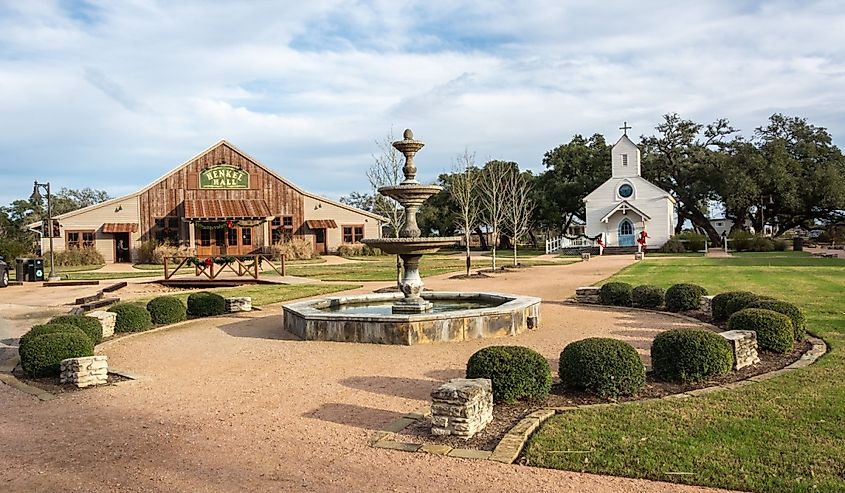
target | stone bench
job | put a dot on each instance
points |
(239, 304)
(462, 407)
(587, 294)
(744, 345)
(86, 371)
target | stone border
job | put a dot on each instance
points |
(511, 445)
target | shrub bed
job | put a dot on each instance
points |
(615, 293)
(516, 372)
(684, 297)
(690, 355)
(647, 296)
(774, 330)
(167, 310)
(90, 325)
(205, 304)
(793, 312)
(602, 366)
(726, 304)
(48, 328)
(43, 354)
(131, 317)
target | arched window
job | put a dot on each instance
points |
(626, 228)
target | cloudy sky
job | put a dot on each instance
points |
(113, 94)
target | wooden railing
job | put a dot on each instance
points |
(241, 265)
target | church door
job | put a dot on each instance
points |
(626, 233)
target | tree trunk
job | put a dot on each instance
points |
(467, 235)
(398, 272)
(482, 240)
(699, 220)
(504, 242)
(514, 253)
(682, 218)
(533, 239)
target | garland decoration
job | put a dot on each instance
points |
(229, 224)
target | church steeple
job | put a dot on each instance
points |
(625, 156)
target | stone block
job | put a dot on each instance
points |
(587, 294)
(461, 407)
(744, 346)
(707, 305)
(86, 371)
(107, 320)
(239, 304)
(585, 256)
(638, 256)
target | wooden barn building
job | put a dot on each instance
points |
(220, 202)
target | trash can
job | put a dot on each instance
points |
(21, 265)
(798, 244)
(35, 269)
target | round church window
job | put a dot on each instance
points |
(626, 191)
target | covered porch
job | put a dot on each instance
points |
(228, 227)
(623, 223)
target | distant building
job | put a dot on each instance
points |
(220, 202)
(723, 226)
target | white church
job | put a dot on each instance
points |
(626, 205)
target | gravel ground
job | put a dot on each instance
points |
(236, 404)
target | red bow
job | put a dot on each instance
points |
(208, 262)
(601, 243)
(230, 224)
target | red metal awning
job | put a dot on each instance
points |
(321, 223)
(227, 209)
(120, 228)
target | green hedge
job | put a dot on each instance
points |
(205, 304)
(615, 293)
(793, 312)
(602, 366)
(90, 325)
(693, 242)
(690, 355)
(684, 297)
(516, 372)
(774, 330)
(647, 296)
(131, 317)
(167, 310)
(726, 304)
(42, 355)
(48, 328)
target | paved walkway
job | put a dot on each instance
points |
(237, 404)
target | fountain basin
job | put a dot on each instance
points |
(411, 246)
(344, 319)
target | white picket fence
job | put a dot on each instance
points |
(561, 242)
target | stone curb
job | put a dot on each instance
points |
(512, 444)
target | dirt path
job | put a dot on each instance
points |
(236, 404)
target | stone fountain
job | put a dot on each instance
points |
(410, 246)
(412, 316)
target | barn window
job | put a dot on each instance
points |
(353, 234)
(167, 230)
(281, 229)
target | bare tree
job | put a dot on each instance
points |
(386, 170)
(464, 191)
(493, 196)
(520, 207)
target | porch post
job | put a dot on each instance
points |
(192, 235)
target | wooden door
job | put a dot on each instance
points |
(320, 244)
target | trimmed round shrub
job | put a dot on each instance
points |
(684, 297)
(205, 304)
(49, 328)
(647, 296)
(90, 325)
(774, 330)
(167, 310)
(726, 304)
(793, 312)
(516, 372)
(615, 293)
(43, 354)
(690, 355)
(602, 366)
(131, 317)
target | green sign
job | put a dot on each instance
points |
(224, 176)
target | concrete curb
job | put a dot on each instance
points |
(512, 444)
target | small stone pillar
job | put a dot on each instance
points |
(462, 407)
(744, 344)
(86, 371)
(585, 256)
(707, 305)
(587, 294)
(239, 304)
(638, 256)
(107, 320)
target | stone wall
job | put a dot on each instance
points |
(107, 320)
(461, 407)
(86, 371)
(744, 345)
(587, 294)
(239, 304)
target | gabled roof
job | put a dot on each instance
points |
(624, 206)
(637, 181)
(258, 163)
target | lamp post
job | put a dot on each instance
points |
(36, 196)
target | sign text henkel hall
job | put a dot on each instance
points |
(223, 176)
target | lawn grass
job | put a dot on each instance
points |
(374, 269)
(785, 434)
(267, 294)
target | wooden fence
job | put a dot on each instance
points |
(241, 265)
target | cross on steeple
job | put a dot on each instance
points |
(625, 127)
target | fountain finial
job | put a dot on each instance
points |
(408, 147)
(408, 135)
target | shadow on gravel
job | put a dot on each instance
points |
(394, 386)
(259, 328)
(368, 418)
